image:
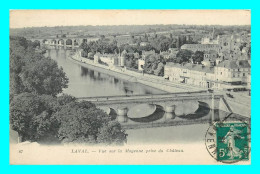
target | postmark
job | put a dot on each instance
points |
(228, 141)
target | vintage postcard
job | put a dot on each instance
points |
(130, 87)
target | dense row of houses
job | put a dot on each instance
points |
(227, 75)
(111, 59)
(226, 64)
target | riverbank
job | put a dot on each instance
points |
(136, 77)
(236, 105)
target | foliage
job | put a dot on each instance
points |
(112, 134)
(198, 57)
(183, 56)
(44, 77)
(31, 117)
(81, 122)
(131, 61)
(36, 112)
(154, 65)
(32, 72)
(99, 46)
(62, 118)
(160, 70)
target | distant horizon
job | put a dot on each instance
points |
(20, 19)
(126, 25)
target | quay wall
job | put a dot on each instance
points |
(135, 77)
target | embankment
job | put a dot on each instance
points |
(128, 75)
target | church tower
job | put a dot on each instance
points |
(213, 33)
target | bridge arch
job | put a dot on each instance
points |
(53, 41)
(69, 42)
(77, 42)
(44, 41)
(60, 41)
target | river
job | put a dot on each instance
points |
(84, 82)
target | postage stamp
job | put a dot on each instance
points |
(232, 141)
(228, 141)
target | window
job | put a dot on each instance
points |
(244, 74)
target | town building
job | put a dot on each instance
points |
(212, 55)
(189, 73)
(207, 62)
(121, 58)
(249, 81)
(227, 75)
(107, 58)
(208, 40)
(97, 57)
(143, 44)
(231, 74)
(141, 63)
(201, 47)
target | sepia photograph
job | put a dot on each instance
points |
(130, 87)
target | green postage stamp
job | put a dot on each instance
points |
(232, 142)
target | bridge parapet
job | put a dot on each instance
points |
(157, 97)
(164, 100)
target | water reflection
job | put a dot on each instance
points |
(199, 113)
(157, 115)
(86, 82)
(201, 116)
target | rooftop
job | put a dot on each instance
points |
(190, 66)
(234, 64)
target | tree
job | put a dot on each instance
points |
(160, 70)
(198, 57)
(102, 37)
(151, 63)
(32, 72)
(178, 43)
(44, 77)
(171, 35)
(16, 85)
(81, 122)
(183, 56)
(112, 134)
(131, 62)
(164, 45)
(36, 44)
(36, 112)
(31, 117)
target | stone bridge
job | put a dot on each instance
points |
(168, 102)
(66, 42)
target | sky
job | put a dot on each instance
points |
(50, 18)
